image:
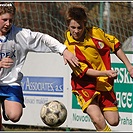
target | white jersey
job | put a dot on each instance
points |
(17, 44)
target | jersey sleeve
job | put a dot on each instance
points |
(39, 42)
(108, 39)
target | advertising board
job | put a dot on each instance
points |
(47, 78)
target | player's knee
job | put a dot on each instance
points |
(14, 117)
(98, 120)
(114, 122)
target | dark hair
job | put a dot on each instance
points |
(7, 7)
(77, 13)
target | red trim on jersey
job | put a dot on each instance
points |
(81, 57)
(117, 46)
(85, 82)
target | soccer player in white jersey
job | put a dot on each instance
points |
(15, 43)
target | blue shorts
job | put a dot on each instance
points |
(12, 93)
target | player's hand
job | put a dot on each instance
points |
(112, 74)
(70, 58)
(6, 62)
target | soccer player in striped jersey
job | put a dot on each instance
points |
(15, 43)
(92, 82)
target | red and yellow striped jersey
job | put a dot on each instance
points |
(93, 53)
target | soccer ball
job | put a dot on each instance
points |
(53, 113)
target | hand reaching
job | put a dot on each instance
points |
(111, 74)
(6, 62)
(70, 58)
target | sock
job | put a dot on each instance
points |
(107, 128)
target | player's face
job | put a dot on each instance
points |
(77, 30)
(6, 21)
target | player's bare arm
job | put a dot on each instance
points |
(131, 71)
(6, 62)
(121, 55)
(71, 58)
(107, 73)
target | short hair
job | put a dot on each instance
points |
(7, 7)
(77, 12)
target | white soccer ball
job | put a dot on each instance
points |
(53, 113)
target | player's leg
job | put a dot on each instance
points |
(110, 110)
(112, 117)
(1, 126)
(13, 102)
(0, 121)
(97, 117)
(13, 110)
(88, 100)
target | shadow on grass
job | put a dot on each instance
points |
(9, 127)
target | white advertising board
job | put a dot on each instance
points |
(47, 78)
